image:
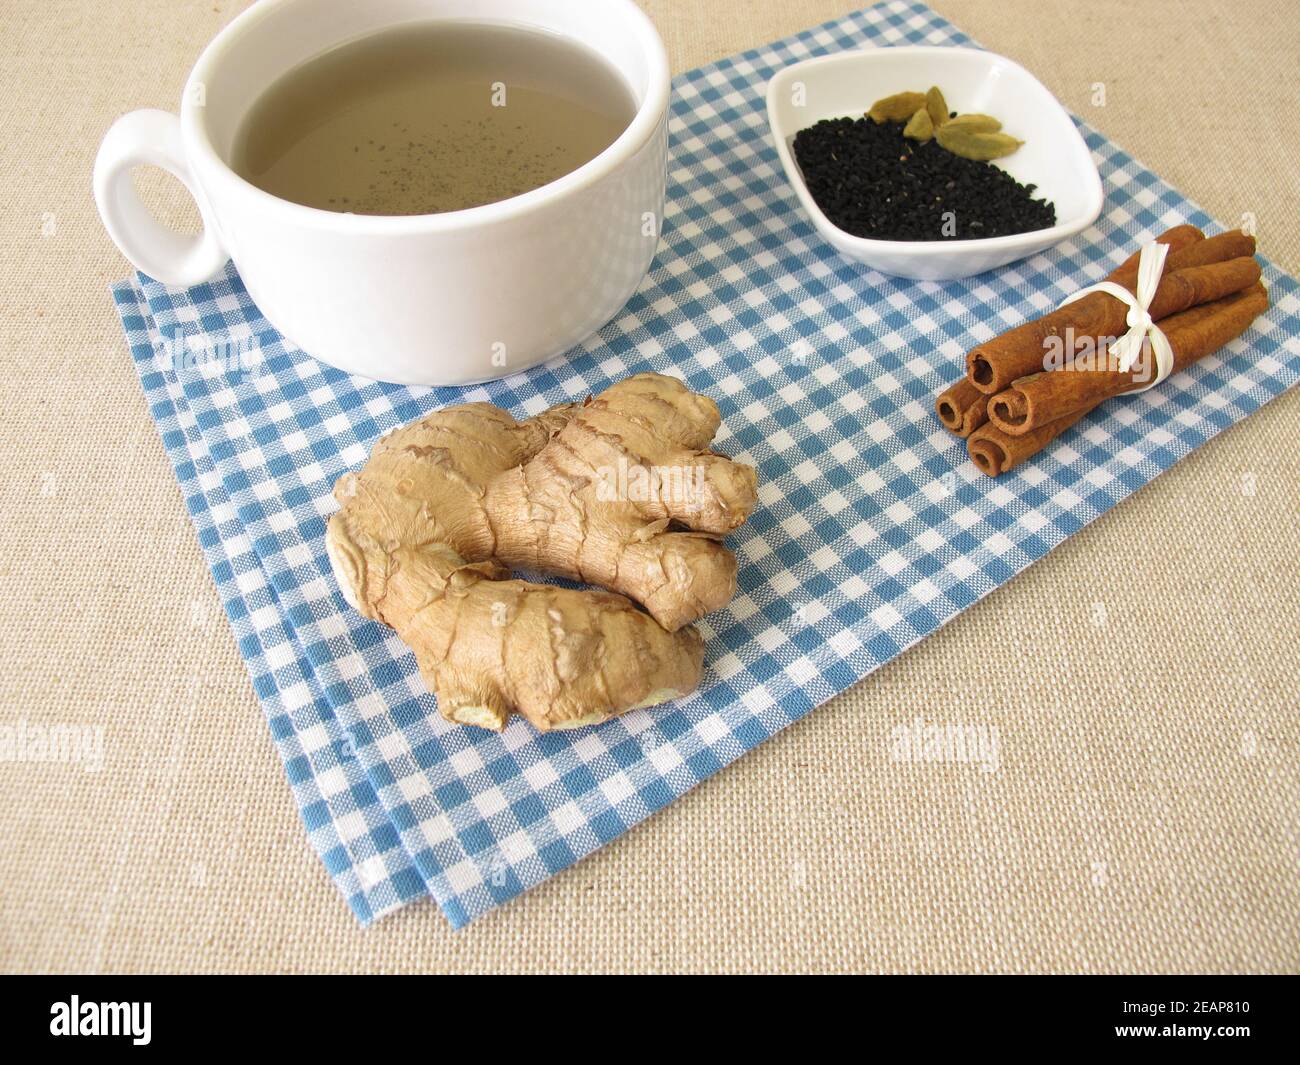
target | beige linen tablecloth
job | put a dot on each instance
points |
(1142, 678)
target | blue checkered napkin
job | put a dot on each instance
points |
(345, 821)
(873, 527)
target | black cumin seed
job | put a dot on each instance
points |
(873, 182)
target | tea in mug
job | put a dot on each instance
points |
(432, 117)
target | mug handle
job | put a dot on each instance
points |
(151, 137)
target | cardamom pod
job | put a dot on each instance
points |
(975, 123)
(919, 127)
(979, 146)
(937, 107)
(897, 108)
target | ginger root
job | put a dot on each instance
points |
(619, 491)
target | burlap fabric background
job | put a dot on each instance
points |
(1143, 678)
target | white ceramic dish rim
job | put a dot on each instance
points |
(643, 126)
(929, 248)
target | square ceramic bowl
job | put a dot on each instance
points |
(1053, 157)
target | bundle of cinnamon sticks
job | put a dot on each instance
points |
(1024, 388)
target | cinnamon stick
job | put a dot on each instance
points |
(1177, 238)
(1044, 397)
(962, 408)
(1230, 245)
(996, 452)
(1192, 334)
(993, 365)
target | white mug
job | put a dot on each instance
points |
(442, 299)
